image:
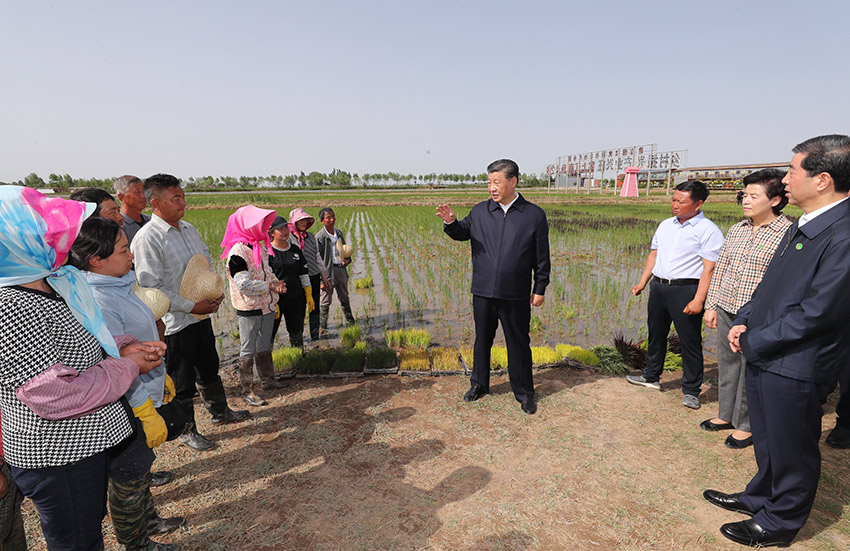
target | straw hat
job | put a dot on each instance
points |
(154, 299)
(200, 283)
(345, 251)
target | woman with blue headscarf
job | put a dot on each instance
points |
(62, 374)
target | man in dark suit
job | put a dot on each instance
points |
(510, 242)
(795, 334)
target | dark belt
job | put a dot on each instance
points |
(663, 281)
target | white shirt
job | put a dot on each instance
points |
(162, 253)
(808, 217)
(683, 246)
(506, 207)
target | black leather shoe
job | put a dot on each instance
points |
(475, 392)
(747, 532)
(161, 478)
(230, 416)
(730, 502)
(196, 440)
(714, 427)
(839, 437)
(736, 444)
(529, 407)
(165, 525)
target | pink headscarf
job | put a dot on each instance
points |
(294, 216)
(250, 225)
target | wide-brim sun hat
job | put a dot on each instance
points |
(200, 282)
(154, 299)
(345, 251)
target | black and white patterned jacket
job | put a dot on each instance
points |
(37, 331)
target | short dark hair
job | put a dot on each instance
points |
(157, 183)
(509, 167)
(698, 190)
(830, 154)
(771, 181)
(324, 211)
(97, 237)
(92, 195)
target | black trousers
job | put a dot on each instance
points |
(192, 358)
(666, 305)
(292, 313)
(515, 316)
(785, 417)
(71, 501)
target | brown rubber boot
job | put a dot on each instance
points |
(246, 381)
(265, 369)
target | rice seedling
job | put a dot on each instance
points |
(413, 338)
(544, 355)
(498, 358)
(318, 361)
(364, 283)
(445, 359)
(414, 359)
(349, 335)
(672, 362)
(577, 353)
(381, 357)
(286, 359)
(610, 361)
(350, 360)
(535, 325)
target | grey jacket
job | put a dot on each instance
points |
(323, 239)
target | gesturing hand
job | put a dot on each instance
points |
(446, 213)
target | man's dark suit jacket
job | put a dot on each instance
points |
(798, 320)
(506, 248)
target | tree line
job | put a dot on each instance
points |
(313, 180)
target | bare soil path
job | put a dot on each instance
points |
(402, 464)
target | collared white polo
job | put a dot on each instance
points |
(683, 246)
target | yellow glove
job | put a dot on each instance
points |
(311, 304)
(277, 311)
(155, 430)
(169, 392)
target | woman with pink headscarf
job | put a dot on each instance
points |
(253, 292)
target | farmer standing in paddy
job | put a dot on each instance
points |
(510, 271)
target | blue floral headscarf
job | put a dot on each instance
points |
(36, 233)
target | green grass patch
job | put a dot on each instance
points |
(672, 362)
(498, 357)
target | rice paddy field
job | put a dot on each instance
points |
(406, 273)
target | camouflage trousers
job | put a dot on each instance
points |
(132, 509)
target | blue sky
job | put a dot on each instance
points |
(99, 89)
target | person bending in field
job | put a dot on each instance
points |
(329, 238)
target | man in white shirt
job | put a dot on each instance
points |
(684, 251)
(162, 249)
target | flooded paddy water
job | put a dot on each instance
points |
(421, 277)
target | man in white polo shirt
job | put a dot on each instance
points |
(684, 250)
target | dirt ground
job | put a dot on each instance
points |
(400, 463)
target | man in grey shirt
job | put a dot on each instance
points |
(130, 192)
(162, 249)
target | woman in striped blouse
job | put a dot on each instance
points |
(748, 249)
